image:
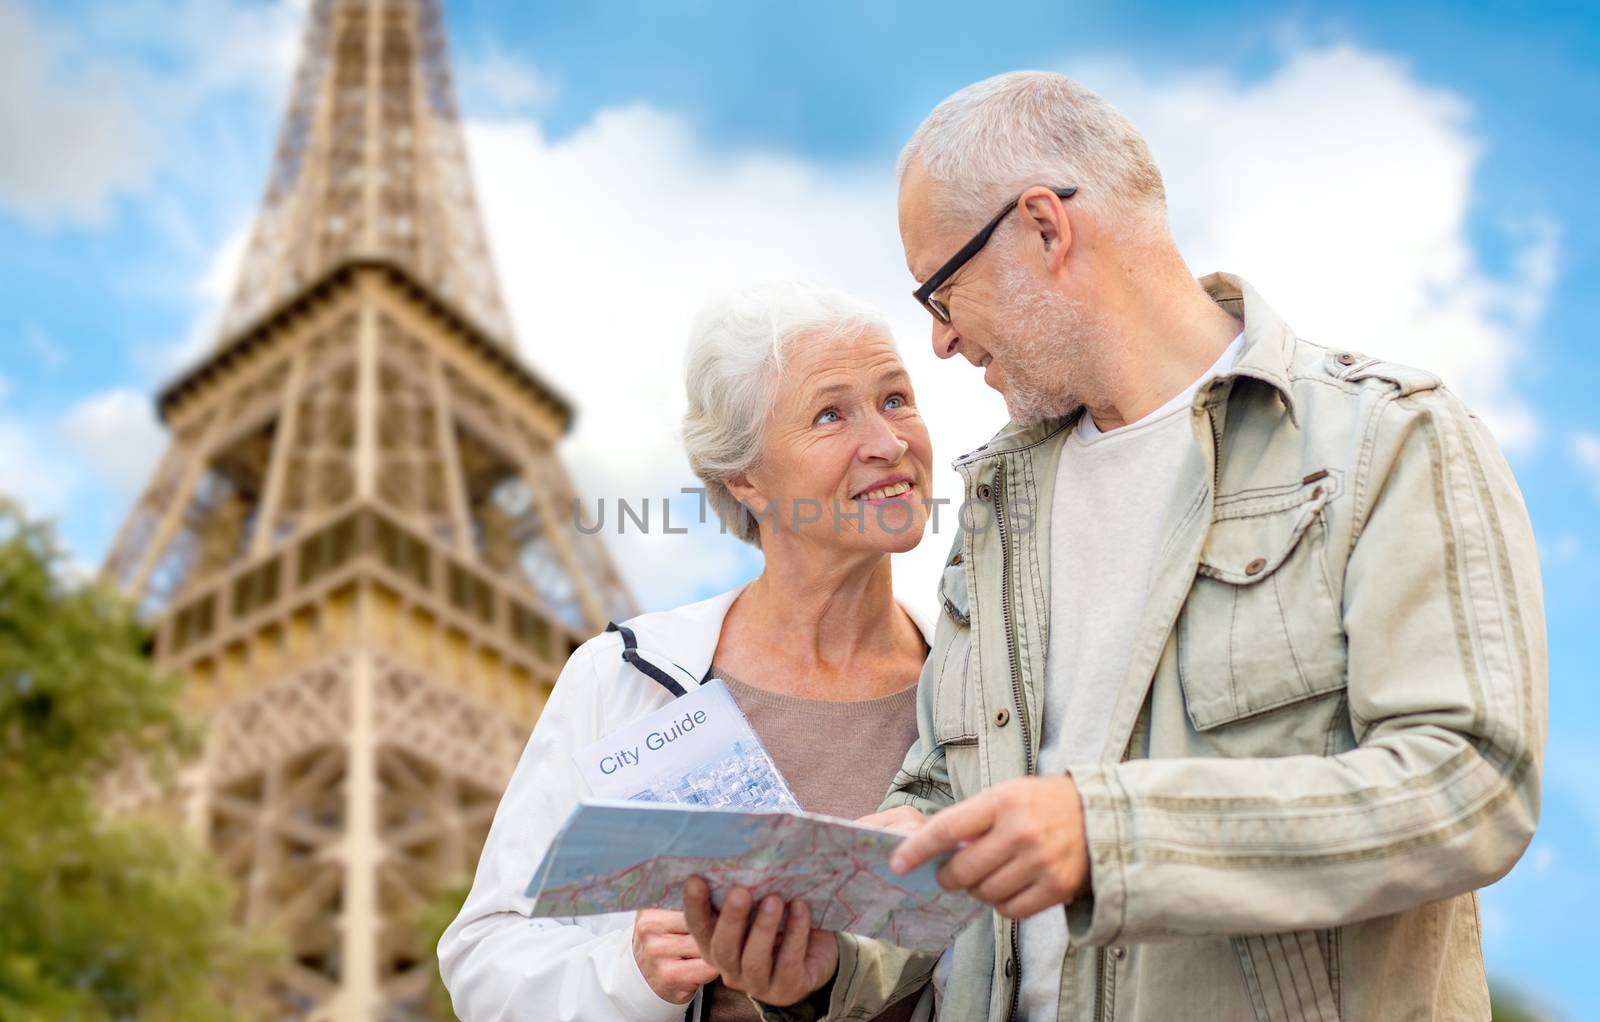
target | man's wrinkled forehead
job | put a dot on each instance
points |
(918, 228)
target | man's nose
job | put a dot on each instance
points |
(946, 341)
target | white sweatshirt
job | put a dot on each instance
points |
(498, 963)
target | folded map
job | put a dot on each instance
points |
(614, 856)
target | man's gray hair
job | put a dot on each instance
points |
(737, 348)
(992, 139)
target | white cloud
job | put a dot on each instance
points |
(1586, 452)
(115, 434)
(37, 471)
(1338, 185)
(210, 294)
(83, 468)
(496, 84)
(106, 443)
(71, 135)
(90, 107)
(31, 472)
(43, 347)
(1563, 548)
(1542, 857)
(28, 472)
(604, 282)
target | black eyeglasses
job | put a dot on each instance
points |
(924, 294)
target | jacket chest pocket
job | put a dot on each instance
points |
(1261, 626)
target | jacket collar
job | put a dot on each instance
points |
(686, 638)
(1268, 350)
(1266, 355)
(1013, 437)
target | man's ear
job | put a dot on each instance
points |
(1044, 217)
(745, 492)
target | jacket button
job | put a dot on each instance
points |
(1002, 717)
(1119, 952)
(984, 491)
(955, 560)
(1255, 566)
(1007, 968)
(1347, 359)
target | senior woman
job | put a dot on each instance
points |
(802, 424)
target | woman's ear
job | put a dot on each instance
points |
(745, 492)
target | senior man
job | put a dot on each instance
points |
(1238, 694)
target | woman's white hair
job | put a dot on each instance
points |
(736, 353)
(992, 139)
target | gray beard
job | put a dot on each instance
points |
(1050, 339)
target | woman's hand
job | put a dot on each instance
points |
(772, 971)
(667, 955)
(906, 818)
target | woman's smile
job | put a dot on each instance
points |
(885, 490)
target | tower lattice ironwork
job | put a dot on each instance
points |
(358, 549)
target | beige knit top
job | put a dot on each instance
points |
(839, 757)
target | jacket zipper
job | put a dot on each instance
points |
(1011, 629)
(1016, 692)
(1216, 450)
(1104, 998)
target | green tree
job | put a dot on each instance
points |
(1511, 1005)
(101, 917)
(434, 918)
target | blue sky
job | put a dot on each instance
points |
(1414, 180)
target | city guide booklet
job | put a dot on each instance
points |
(690, 791)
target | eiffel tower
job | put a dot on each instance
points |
(358, 550)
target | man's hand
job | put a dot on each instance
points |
(667, 956)
(903, 818)
(1021, 845)
(777, 973)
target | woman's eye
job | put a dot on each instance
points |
(895, 402)
(827, 416)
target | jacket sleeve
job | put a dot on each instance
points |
(1446, 673)
(923, 780)
(498, 963)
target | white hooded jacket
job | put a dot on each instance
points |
(500, 964)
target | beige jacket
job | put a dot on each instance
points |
(1330, 733)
